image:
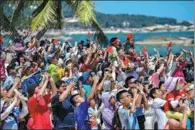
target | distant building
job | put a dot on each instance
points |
(71, 20)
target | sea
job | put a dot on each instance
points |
(139, 37)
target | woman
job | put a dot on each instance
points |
(67, 73)
(180, 65)
(38, 104)
(108, 99)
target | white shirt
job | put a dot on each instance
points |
(150, 117)
(162, 118)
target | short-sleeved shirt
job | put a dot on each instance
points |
(129, 121)
(81, 116)
(162, 118)
(39, 112)
(63, 112)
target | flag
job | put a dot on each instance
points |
(145, 49)
(126, 61)
(89, 34)
(1, 40)
(109, 49)
(169, 44)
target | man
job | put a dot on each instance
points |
(62, 109)
(127, 113)
(82, 105)
(129, 43)
(141, 101)
(112, 50)
(69, 52)
(163, 121)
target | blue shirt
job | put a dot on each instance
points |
(63, 112)
(81, 116)
(10, 122)
(87, 89)
(129, 121)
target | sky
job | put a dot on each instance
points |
(180, 10)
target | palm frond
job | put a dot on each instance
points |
(41, 7)
(17, 12)
(84, 11)
(99, 34)
(45, 17)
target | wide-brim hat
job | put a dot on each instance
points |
(170, 83)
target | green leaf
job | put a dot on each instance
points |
(84, 11)
(45, 17)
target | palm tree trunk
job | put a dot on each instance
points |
(58, 11)
(41, 33)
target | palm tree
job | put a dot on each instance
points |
(49, 12)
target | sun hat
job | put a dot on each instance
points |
(170, 83)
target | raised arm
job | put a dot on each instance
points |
(53, 86)
(80, 89)
(6, 113)
(16, 83)
(41, 91)
(101, 84)
(192, 57)
(64, 95)
(135, 97)
(92, 93)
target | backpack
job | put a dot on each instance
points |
(35, 79)
(116, 123)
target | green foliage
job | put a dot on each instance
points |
(45, 17)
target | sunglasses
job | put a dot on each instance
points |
(134, 82)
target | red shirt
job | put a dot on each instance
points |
(39, 112)
(84, 68)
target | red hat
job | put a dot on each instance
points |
(130, 36)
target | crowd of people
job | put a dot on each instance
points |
(51, 84)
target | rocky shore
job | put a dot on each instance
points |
(164, 40)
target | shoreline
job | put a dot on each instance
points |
(115, 32)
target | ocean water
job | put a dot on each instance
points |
(138, 37)
(141, 36)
